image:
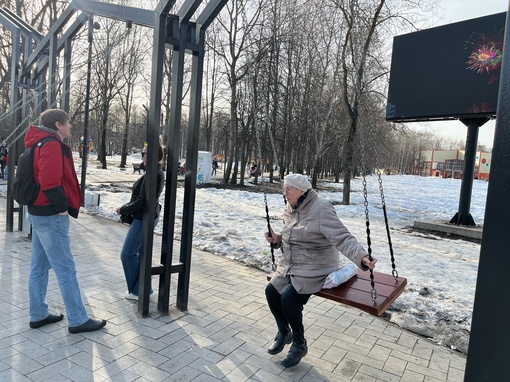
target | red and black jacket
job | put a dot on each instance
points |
(54, 172)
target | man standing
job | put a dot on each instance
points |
(59, 196)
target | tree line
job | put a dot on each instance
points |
(297, 86)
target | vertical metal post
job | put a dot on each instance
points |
(488, 352)
(174, 31)
(191, 164)
(158, 55)
(52, 81)
(25, 114)
(39, 92)
(85, 153)
(14, 122)
(67, 75)
(463, 216)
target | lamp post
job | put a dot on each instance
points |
(85, 154)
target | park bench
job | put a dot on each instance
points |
(138, 167)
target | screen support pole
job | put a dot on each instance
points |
(463, 216)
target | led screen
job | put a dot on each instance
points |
(447, 72)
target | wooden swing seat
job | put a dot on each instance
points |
(357, 292)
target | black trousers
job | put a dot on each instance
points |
(287, 309)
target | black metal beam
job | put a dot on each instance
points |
(138, 16)
(56, 28)
(488, 352)
(164, 6)
(187, 9)
(26, 28)
(20, 145)
(179, 54)
(68, 35)
(191, 162)
(14, 97)
(153, 126)
(66, 91)
(173, 37)
(210, 12)
(463, 216)
(7, 23)
(173, 144)
(52, 80)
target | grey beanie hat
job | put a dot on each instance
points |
(297, 181)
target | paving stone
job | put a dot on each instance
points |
(224, 335)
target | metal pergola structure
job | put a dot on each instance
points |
(37, 71)
(23, 36)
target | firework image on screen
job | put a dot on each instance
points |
(486, 56)
(452, 71)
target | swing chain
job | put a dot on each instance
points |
(30, 114)
(385, 213)
(273, 263)
(259, 152)
(373, 293)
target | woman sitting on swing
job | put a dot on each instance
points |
(311, 240)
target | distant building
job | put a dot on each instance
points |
(450, 164)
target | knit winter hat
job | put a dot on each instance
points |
(297, 181)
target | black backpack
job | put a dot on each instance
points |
(24, 187)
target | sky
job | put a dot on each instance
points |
(441, 272)
(455, 11)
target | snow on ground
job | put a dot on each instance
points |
(441, 271)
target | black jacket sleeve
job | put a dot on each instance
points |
(136, 204)
(57, 198)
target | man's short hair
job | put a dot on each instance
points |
(50, 117)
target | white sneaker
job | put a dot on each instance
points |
(131, 296)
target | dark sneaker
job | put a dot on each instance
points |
(89, 326)
(52, 318)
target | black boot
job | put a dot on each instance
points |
(294, 356)
(279, 343)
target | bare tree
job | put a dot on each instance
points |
(364, 22)
(134, 55)
(109, 75)
(241, 20)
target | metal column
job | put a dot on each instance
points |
(191, 178)
(463, 216)
(14, 98)
(489, 350)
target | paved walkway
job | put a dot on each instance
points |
(222, 337)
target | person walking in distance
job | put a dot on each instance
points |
(59, 197)
(3, 158)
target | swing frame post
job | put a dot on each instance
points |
(488, 351)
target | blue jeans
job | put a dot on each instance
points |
(130, 255)
(51, 248)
